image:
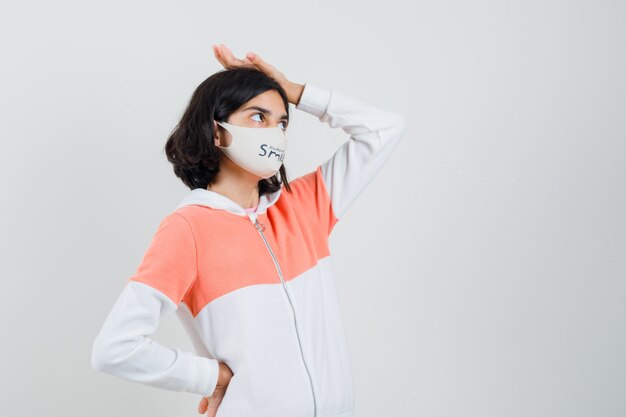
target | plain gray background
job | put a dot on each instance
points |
(480, 274)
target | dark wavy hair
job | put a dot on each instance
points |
(190, 147)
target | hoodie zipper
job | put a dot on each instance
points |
(260, 227)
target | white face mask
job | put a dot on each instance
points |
(259, 150)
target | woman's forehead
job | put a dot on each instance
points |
(269, 100)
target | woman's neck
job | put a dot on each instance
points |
(236, 184)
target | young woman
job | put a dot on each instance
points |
(244, 259)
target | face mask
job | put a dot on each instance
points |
(259, 150)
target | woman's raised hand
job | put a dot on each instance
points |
(228, 60)
(210, 404)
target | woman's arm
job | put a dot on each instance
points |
(124, 348)
(374, 134)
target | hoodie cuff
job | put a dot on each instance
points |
(314, 100)
(206, 377)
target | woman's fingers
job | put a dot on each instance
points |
(214, 402)
(266, 67)
(260, 63)
(216, 52)
(221, 57)
(202, 407)
(218, 55)
(254, 58)
(230, 58)
(227, 59)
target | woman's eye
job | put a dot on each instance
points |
(285, 124)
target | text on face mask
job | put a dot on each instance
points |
(280, 156)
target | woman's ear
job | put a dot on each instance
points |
(216, 138)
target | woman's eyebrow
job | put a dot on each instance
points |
(266, 111)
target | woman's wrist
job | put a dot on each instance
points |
(294, 92)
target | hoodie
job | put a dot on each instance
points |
(254, 289)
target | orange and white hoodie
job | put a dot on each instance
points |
(254, 290)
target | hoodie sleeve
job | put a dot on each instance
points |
(124, 347)
(374, 134)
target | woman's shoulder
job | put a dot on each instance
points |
(305, 187)
(190, 214)
(309, 192)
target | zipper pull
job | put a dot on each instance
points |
(259, 225)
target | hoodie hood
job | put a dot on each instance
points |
(215, 200)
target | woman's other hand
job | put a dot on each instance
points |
(210, 404)
(228, 60)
